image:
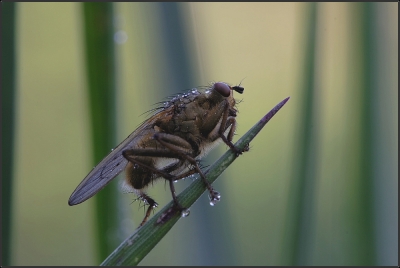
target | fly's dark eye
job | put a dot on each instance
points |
(222, 89)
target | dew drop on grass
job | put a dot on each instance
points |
(185, 212)
(215, 197)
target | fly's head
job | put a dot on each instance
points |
(221, 91)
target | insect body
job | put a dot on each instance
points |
(169, 145)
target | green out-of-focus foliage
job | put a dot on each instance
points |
(300, 211)
(100, 72)
(346, 211)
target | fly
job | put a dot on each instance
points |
(169, 145)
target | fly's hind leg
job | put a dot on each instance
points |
(149, 201)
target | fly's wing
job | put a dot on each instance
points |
(105, 171)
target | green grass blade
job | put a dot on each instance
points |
(142, 241)
(363, 219)
(7, 125)
(100, 61)
(300, 213)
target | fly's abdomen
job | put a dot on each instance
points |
(137, 176)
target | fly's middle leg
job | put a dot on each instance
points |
(132, 156)
(169, 141)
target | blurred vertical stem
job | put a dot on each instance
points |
(181, 71)
(364, 48)
(300, 218)
(175, 46)
(182, 75)
(100, 64)
(7, 125)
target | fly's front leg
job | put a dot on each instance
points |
(169, 142)
(225, 123)
(232, 122)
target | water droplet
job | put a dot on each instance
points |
(194, 90)
(208, 92)
(215, 197)
(185, 213)
(120, 37)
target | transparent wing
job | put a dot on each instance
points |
(113, 164)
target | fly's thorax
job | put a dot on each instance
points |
(197, 111)
(204, 97)
(196, 115)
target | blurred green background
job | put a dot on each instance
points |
(319, 185)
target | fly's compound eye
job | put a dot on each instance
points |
(222, 89)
